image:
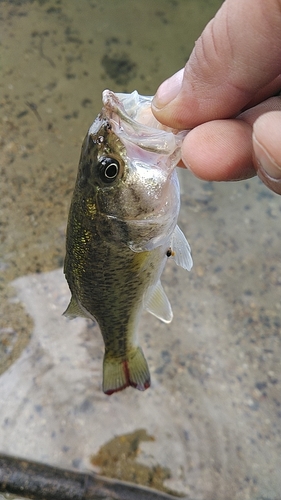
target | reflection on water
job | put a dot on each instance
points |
(214, 407)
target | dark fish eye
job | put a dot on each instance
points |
(109, 169)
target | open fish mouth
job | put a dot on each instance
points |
(133, 121)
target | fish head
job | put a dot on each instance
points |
(128, 163)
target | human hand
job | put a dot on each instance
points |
(224, 95)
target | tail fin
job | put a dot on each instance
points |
(121, 373)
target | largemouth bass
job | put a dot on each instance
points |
(122, 228)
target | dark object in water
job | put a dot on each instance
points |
(44, 482)
(119, 67)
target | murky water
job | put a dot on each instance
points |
(214, 408)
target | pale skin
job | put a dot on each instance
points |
(226, 95)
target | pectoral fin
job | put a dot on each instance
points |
(181, 249)
(157, 303)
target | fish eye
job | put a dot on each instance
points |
(109, 169)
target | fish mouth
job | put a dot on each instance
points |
(132, 120)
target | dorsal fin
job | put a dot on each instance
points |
(73, 310)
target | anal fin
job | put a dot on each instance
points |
(157, 303)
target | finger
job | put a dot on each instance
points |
(238, 53)
(222, 150)
(219, 150)
(252, 114)
(273, 88)
(267, 149)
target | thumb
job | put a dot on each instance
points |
(238, 53)
(267, 149)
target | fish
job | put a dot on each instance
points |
(122, 228)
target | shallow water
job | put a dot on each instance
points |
(214, 407)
